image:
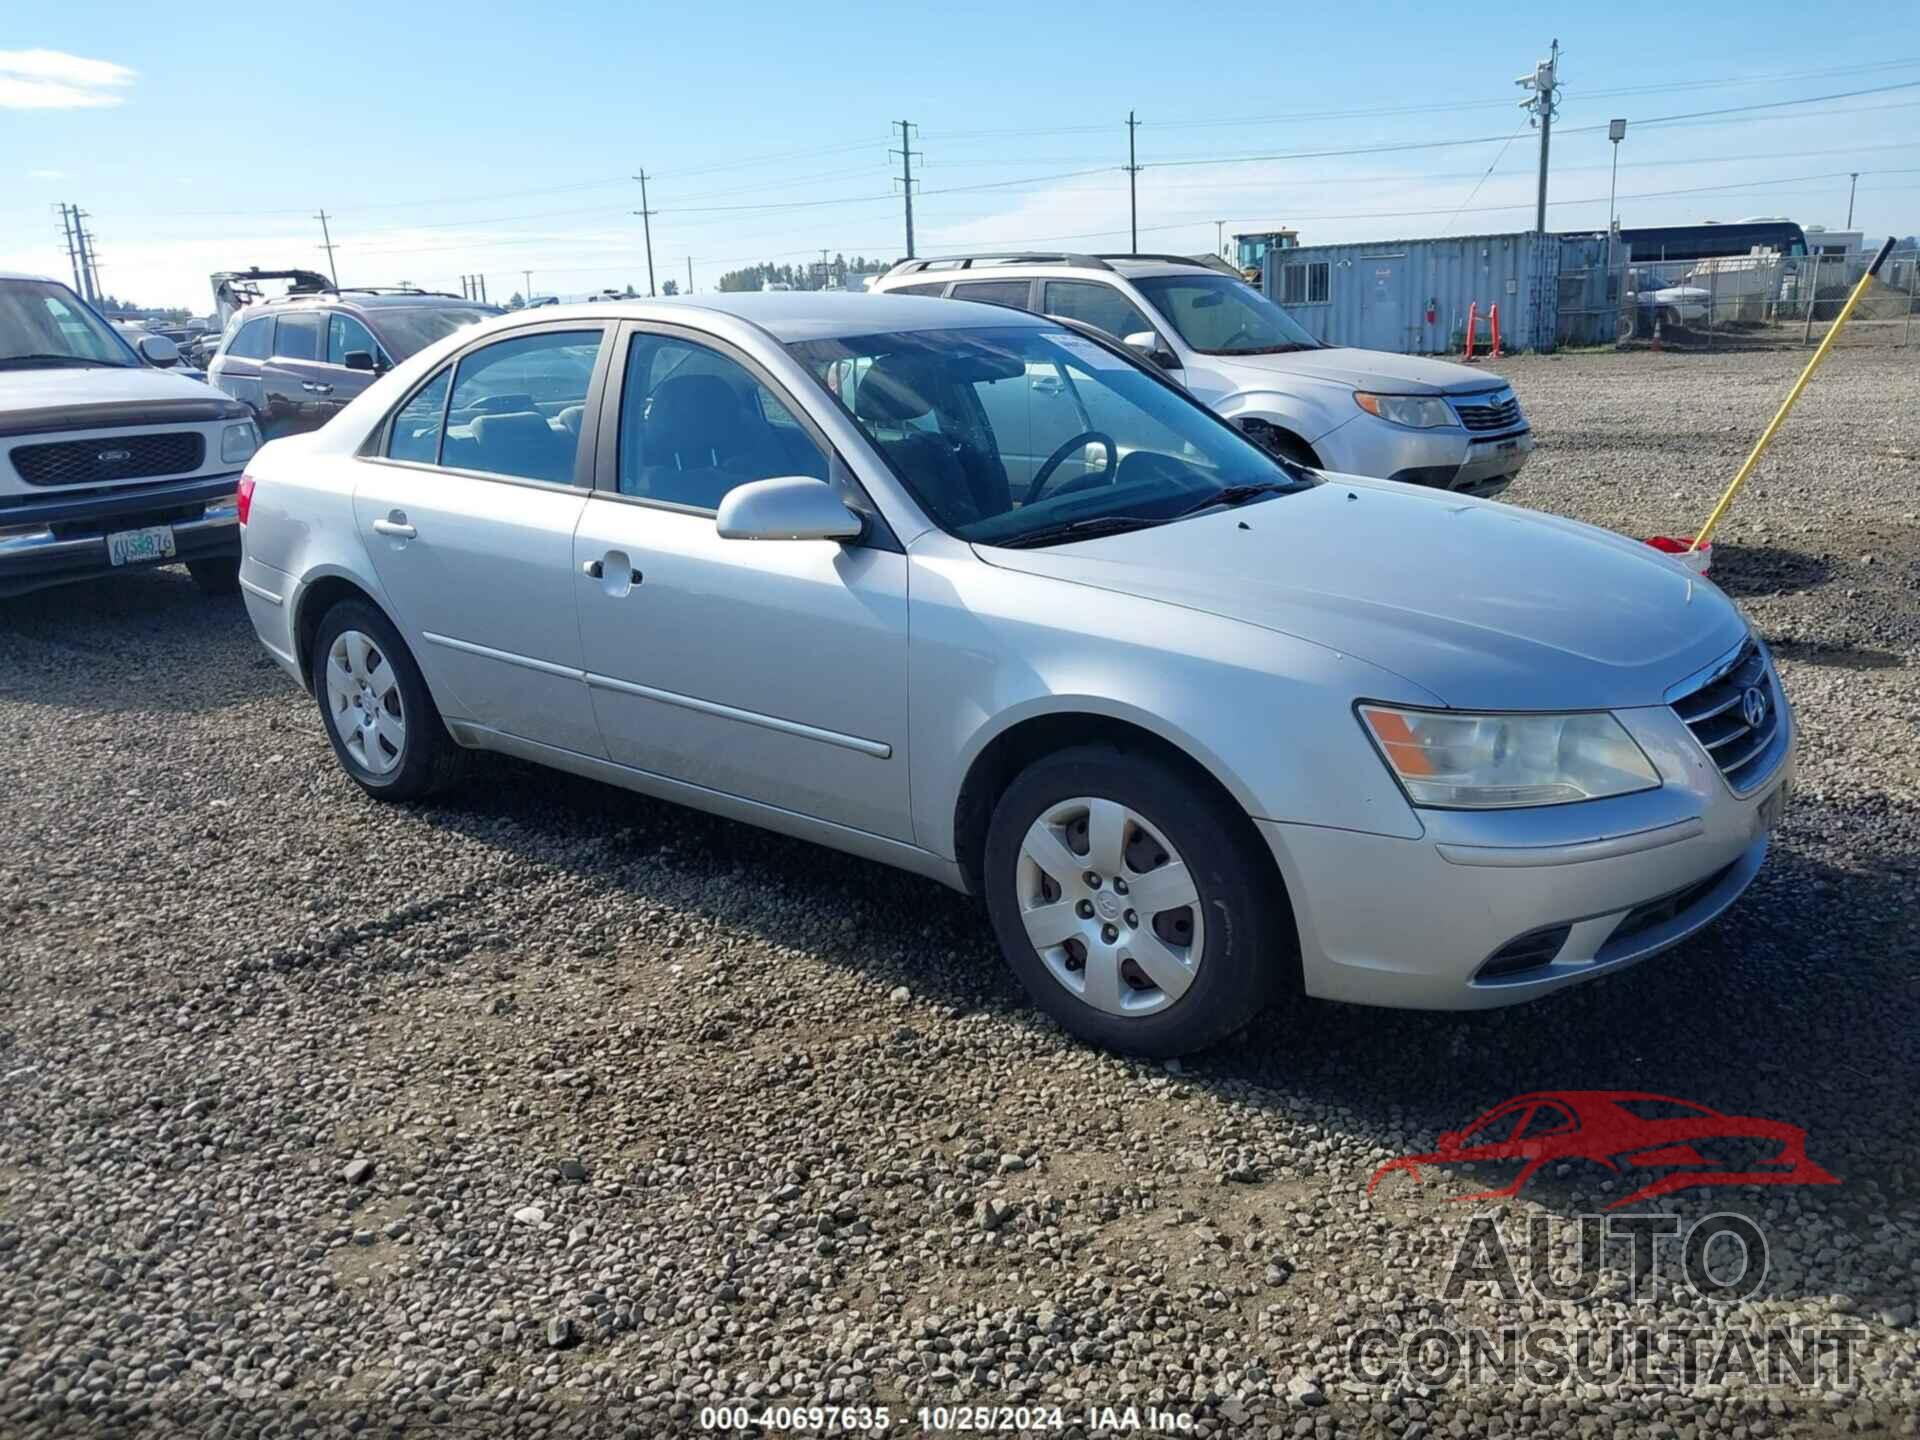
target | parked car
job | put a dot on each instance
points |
(1360, 412)
(106, 461)
(296, 361)
(1200, 725)
(1655, 300)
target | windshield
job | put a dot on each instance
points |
(1018, 434)
(43, 323)
(407, 328)
(1218, 315)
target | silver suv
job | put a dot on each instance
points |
(1360, 412)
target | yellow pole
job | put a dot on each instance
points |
(1780, 415)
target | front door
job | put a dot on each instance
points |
(1384, 319)
(775, 671)
(469, 519)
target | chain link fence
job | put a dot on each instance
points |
(1739, 302)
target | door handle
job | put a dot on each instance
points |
(395, 524)
(615, 565)
(1047, 387)
(316, 389)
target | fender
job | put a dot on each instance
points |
(1303, 415)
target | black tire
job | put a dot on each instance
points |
(217, 576)
(1246, 959)
(429, 760)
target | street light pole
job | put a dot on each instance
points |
(1853, 183)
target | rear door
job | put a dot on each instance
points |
(296, 389)
(468, 513)
(236, 369)
(335, 383)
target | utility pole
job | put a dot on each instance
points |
(1544, 82)
(1853, 183)
(89, 272)
(1616, 132)
(73, 255)
(326, 243)
(646, 222)
(905, 177)
(689, 274)
(1133, 192)
(526, 277)
(1220, 238)
(483, 288)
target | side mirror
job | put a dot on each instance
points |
(359, 360)
(788, 507)
(158, 350)
(1146, 345)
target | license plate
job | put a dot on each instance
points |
(1771, 811)
(131, 547)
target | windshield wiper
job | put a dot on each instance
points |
(1236, 495)
(59, 360)
(1080, 530)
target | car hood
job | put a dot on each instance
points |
(1482, 605)
(84, 397)
(1362, 370)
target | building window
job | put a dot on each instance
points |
(1304, 282)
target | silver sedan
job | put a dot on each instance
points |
(981, 596)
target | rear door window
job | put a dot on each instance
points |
(255, 340)
(297, 337)
(516, 405)
(1016, 293)
(415, 434)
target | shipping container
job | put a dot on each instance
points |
(1413, 296)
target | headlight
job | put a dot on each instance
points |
(238, 442)
(1421, 412)
(1490, 762)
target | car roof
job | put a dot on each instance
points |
(987, 267)
(797, 315)
(375, 300)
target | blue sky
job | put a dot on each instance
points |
(453, 139)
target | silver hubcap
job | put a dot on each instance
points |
(363, 697)
(1110, 907)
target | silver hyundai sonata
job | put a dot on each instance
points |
(977, 594)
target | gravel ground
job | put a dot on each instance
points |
(552, 1110)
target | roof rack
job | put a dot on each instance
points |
(398, 290)
(1151, 255)
(1004, 257)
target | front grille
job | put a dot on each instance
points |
(1736, 718)
(1646, 916)
(1499, 411)
(122, 457)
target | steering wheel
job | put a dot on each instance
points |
(1083, 439)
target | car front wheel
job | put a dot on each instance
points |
(382, 723)
(1131, 903)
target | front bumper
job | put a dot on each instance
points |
(1412, 923)
(57, 539)
(1444, 458)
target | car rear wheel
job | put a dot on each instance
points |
(216, 577)
(382, 723)
(1130, 902)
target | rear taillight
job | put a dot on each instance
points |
(243, 497)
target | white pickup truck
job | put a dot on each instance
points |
(106, 460)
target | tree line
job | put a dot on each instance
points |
(814, 276)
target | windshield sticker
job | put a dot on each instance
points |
(1085, 350)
